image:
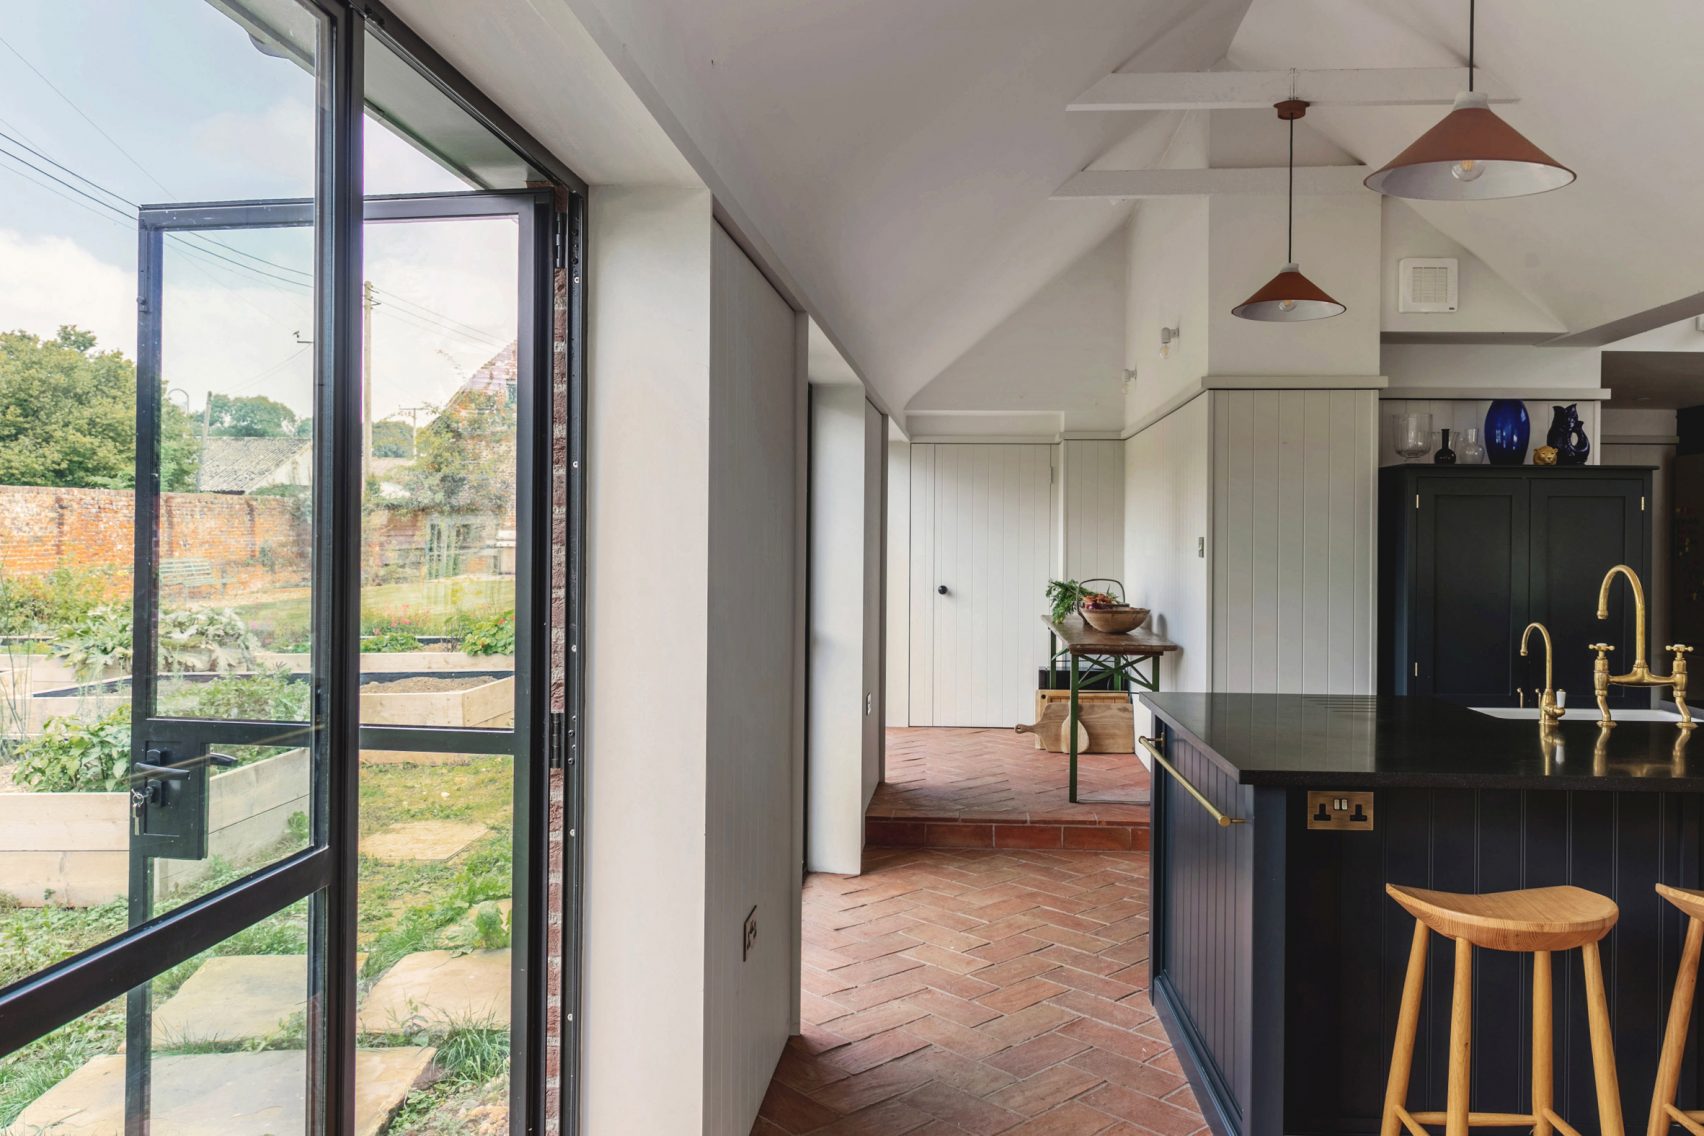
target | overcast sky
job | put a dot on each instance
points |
(169, 101)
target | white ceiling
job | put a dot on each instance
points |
(892, 160)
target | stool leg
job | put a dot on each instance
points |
(1407, 1025)
(1461, 1043)
(1674, 1036)
(1543, 1037)
(1603, 1046)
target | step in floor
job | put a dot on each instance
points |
(221, 1094)
(435, 989)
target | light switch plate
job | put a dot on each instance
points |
(1338, 811)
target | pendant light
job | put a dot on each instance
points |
(1471, 155)
(1289, 297)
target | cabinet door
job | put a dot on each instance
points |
(1470, 594)
(1581, 528)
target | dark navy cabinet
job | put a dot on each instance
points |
(1469, 554)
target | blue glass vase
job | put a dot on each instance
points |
(1507, 431)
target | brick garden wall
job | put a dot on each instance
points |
(250, 542)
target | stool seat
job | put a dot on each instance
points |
(1534, 919)
(1690, 901)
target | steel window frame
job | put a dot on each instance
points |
(327, 871)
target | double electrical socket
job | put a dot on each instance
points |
(1340, 812)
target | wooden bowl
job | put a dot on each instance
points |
(1115, 620)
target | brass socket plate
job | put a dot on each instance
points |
(1337, 811)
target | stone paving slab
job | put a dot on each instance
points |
(439, 988)
(422, 840)
(233, 998)
(221, 1094)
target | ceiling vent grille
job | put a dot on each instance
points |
(1428, 284)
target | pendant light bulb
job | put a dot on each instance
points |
(1286, 305)
(1467, 169)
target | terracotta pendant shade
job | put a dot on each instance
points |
(1288, 297)
(1471, 155)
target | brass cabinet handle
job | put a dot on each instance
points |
(1219, 818)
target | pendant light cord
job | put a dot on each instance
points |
(1470, 22)
(1290, 218)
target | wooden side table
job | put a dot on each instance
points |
(1123, 655)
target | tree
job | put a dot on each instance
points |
(251, 416)
(464, 462)
(68, 417)
(393, 439)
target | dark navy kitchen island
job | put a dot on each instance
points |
(1277, 958)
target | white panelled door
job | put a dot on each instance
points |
(981, 554)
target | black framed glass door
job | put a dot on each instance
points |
(280, 858)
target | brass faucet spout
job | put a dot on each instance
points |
(1639, 664)
(1548, 711)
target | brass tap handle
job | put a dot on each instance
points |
(1600, 683)
(1678, 679)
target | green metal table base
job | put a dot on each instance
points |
(1126, 674)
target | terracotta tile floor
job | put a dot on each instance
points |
(949, 992)
(992, 788)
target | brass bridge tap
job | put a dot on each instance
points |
(1548, 711)
(1640, 674)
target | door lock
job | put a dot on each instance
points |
(170, 806)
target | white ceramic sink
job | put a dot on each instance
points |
(1586, 713)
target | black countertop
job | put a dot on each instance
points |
(1355, 741)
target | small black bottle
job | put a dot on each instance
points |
(1445, 455)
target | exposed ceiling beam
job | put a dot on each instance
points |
(1232, 90)
(1629, 326)
(1184, 183)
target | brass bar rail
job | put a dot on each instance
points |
(1219, 818)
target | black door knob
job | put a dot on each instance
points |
(942, 589)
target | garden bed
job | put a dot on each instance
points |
(73, 848)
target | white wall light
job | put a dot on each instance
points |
(1168, 336)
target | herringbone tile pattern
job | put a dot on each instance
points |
(952, 992)
(985, 788)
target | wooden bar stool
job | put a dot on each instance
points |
(1663, 1111)
(1535, 921)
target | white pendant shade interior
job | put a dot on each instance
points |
(1470, 155)
(1289, 297)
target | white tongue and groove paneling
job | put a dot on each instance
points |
(1094, 510)
(1294, 538)
(982, 526)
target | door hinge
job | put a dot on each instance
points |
(556, 750)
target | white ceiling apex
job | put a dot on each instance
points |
(1124, 184)
(1234, 90)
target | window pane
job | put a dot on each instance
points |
(436, 876)
(226, 1047)
(112, 110)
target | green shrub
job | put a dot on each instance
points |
(73, 755)
(194, 639)
(390, 641)
(494, 635)
(268, 695)
(31, 604)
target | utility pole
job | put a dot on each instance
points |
(368, 303)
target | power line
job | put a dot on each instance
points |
(97, 126)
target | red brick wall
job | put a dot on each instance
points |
(251, 542)
(558, 687)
